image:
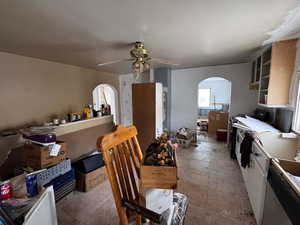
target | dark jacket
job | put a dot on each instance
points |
(246, 150)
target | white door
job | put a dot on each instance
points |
(256, 187)
(158, 109)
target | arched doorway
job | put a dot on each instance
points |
(214, 98)
(106, 94)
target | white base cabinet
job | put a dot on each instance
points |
(254, 176)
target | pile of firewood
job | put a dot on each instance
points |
(160, 152)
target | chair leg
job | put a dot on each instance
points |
(138, 220)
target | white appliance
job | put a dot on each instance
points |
(43, 211)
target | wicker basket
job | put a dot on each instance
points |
(184, 143)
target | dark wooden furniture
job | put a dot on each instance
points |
(147, 111)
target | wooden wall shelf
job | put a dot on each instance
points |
(82, 124)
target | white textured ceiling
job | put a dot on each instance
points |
(189, 32)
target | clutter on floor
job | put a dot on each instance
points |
(37, 161)
(45, 165)
(202, 124)
(184, 137)
(41, 170)
(20, 196)
(220, 199)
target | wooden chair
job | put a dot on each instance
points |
(123, 156)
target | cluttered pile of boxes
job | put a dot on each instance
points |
(46, 164)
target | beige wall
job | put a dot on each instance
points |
(34, 90)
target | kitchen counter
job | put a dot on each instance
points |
(266, 146)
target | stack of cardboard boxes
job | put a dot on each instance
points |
(88, 172)
(57, 169)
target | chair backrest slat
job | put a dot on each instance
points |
(115, 186)
(135, 158)
(124, 167)
(137, 148)
(129, 158)
(119, 174)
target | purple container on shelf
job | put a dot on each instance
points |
(42, 138)
(31, 185)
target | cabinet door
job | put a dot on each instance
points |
(258, 69)
(256, 187)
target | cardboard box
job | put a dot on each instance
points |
(38, 157)
(86, 182)
(217, 120)
(162, 177)
(292, 167)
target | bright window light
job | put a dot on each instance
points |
(203, 97)
(296, 119)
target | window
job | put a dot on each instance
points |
(296, 102)
(203, 97)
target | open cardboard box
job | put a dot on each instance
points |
(162, 177)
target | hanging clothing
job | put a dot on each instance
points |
(246, 150)
(233, 143)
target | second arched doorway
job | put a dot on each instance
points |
(214, 98)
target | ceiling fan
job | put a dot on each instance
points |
(140, 59)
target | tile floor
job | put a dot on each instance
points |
(208, 176)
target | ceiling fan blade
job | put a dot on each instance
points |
(113, 62)
(163, 61)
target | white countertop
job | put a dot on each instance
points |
(256, 125)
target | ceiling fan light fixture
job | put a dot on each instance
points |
(140, 59)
